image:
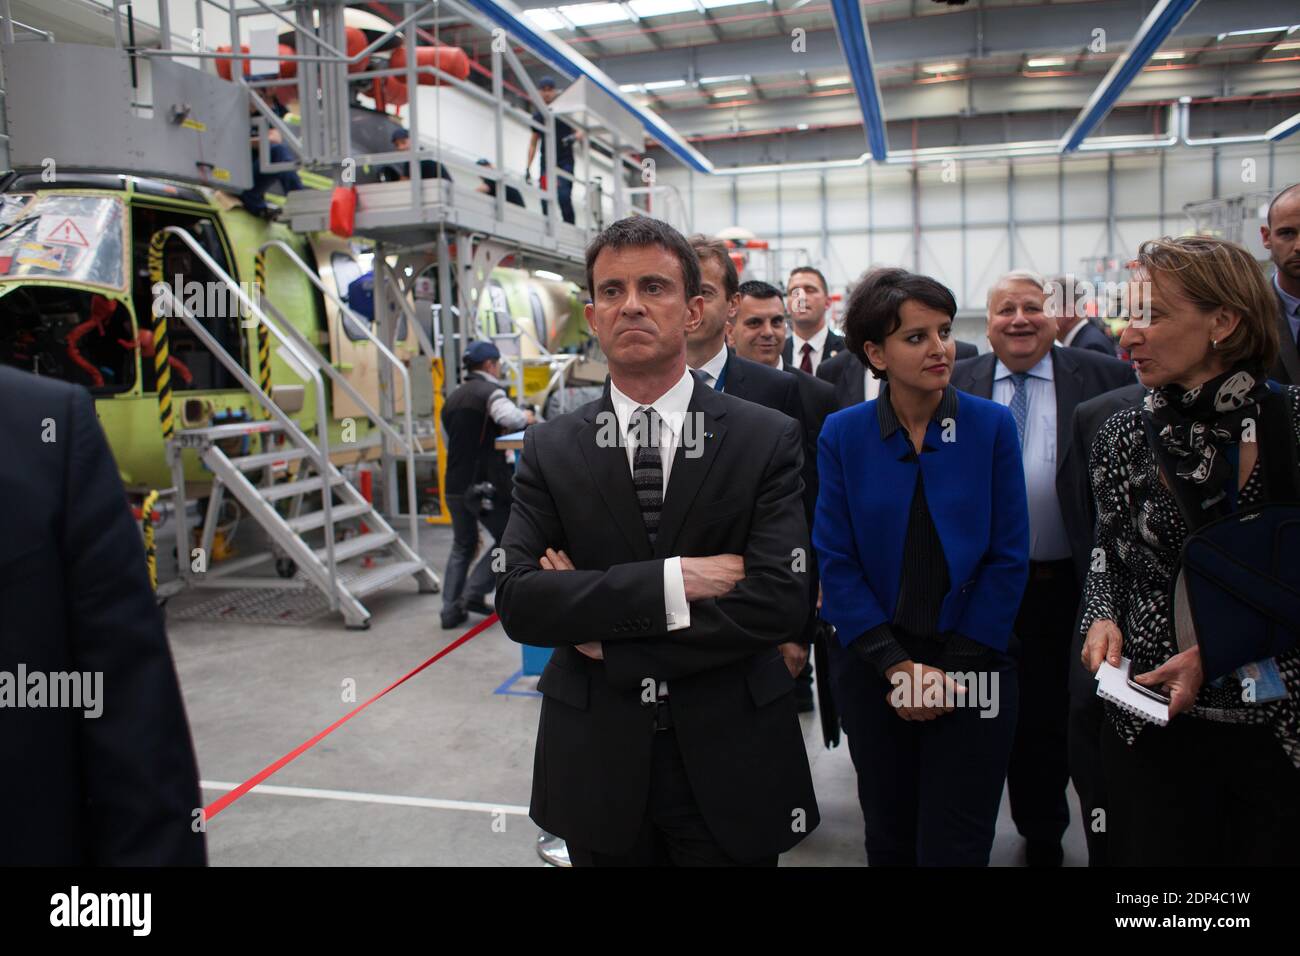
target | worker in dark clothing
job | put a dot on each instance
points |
(489, 186)
(254, 200)
(479, 479)
(429, 169)
(565, 137)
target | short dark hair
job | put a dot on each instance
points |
(815, 271)
(757, 289)
(706, 248)
(1269, 219)
(639, 231)
(873, 312)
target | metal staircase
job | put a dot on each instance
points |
(316, 499)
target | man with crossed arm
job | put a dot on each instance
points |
(664, 559)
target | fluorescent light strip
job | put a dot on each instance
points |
(1038, 61)
(1251, 33)
(593, 14)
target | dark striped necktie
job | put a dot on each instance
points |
(647, 467)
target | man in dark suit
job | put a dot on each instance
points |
(726, 371)
(1086, 711)
(1073, 328)
(1281, 236)
(811, 341)
(756, 329)
(854, 383)
(103, 773)
(650, 543)
(1042, 385)
(757, 332)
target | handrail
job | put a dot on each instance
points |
(318, 452)
(407, 444)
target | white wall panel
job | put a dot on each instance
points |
(1137, 186)
(1133, 234)
(986, 259)
(892, 198)
(801, 208)
(986, 193)
(1036, 191)
(891, 249)
(1085, 188)
(941, 257)
(1084, 241)
(1038, 248)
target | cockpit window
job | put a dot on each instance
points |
(64, 236)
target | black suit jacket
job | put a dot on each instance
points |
(845, 373)
(773, 388)
(1093, 339)
(833, 345)
(1287, 367)
(762, 385)
(117, 789)
(732, 706)
(816, 398)
(1089, 416)
(1078, 375)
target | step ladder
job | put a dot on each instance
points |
(318, 503)
(278, 446)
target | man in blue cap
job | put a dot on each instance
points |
(479, 479)
(565, 137)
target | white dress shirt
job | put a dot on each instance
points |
(818, 342)
(1073, 334)
(1048, 540)
(714, 366)
(671, 408)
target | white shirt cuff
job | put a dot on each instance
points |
(676, 610)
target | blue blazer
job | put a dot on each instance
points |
(975, 489)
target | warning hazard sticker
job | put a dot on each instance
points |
(51, 258)
(66, 230)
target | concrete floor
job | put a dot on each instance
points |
(436, 773)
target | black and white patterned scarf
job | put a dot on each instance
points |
(1195, 427)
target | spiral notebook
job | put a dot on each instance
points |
(1112, 685)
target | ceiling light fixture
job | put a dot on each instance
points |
(1251, 33)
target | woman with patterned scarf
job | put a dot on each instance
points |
(1221, 783)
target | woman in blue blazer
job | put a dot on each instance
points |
(922, 539)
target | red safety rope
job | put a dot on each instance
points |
(212, 809)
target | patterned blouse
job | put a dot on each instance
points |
(1140, 532)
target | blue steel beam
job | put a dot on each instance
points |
(1284, 129)
(573, 64)
(1160, 22)
(855, 43)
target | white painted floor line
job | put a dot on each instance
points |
(353, 796)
